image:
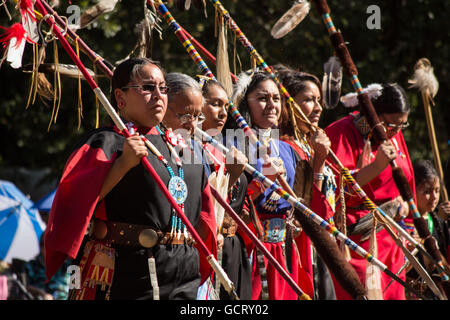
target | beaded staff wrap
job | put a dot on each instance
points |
(373, 120)
(195, 56)
(308, 212)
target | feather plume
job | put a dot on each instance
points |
(28, 18)
(14, 39)
(187, 5)
(290, 19)
(332, 82)
(424, 78)
(222, 63)
(350, 100)
(93, 13)
(240, 87)
(220, 182)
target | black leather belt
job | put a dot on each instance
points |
(134, 235)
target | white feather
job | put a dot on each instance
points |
(30, 27)
(373, 90)
(15, 54)
(290, 19)
(240, 87)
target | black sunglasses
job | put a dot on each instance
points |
(149, 87)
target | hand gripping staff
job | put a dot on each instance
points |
(195, 56)
(164, 12)
(295, 287)
(226, 282)
(309, 213)
(344, 171)
(342, 52)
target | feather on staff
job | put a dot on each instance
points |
(332, 82)
(425, 81)
(290, 19)
(372, 117)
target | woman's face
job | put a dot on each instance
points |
(215, 110)
(143, 107)
(309, 101)
(264, 104)
(394, 122)
(184, 110)
(428, 195)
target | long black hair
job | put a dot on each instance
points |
(424, 171)
(393, 99)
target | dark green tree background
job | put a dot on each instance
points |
(409, 31)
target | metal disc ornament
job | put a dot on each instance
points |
(178, 189)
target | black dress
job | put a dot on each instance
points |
(137, 199)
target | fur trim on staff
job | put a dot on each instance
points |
(222, 61)
(350, 100)
(328, 250)
(424, 78)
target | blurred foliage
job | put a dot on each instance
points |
(409, 31)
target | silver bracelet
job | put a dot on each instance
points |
(319, 176)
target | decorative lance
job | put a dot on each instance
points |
(306, 211)
(226, 282)
(399, 176)
(344, 171)
(425, 80)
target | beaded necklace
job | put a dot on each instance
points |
(177, 186)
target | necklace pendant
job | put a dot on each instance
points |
(178, 189)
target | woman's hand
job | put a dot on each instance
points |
(385, 154)
(134, 149)
(444, 210)
(320, 143)
(272, 168)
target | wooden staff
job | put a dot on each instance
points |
(226, 282)
(426, 82)
(399, 177)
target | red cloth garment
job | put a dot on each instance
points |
(321, 207)
(208, 220)
(347, 143)
(75, 201)
(135, 199)
(278, 288)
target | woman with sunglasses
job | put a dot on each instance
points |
(137, 246)
(352, 142)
